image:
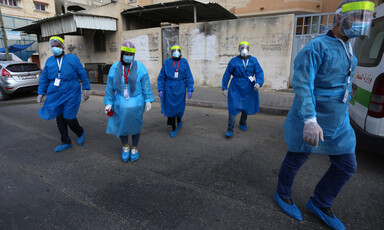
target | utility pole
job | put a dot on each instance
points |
(4, 36)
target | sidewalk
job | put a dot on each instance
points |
(271, 102)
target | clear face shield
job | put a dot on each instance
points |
(176, 51)
(356, 18)
(244, 49)
(55, 40)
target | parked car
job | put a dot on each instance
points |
(367, 104)
(16, 76)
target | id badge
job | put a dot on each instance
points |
(252, 78)
(176, 74)
(346, 96)
(57, 82)
(126, 95)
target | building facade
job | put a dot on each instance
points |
(19, 13)
(250, 8)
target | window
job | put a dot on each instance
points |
(41, 6)
(369, 50)
(8, 2)
(99, 41)
(17, 68)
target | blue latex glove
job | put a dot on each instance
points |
(189, 95)
(161, 94)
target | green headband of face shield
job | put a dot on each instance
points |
(128, 49)
(244, 43)
(57, 38)
(353, 6)
(176, 47)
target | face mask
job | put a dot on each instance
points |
(176, 54)
(57, 51)
(128, 59)
(244, 52)
(357, 29)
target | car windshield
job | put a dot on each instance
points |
(369, 50)
(23, 67)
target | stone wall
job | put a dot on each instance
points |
(210, 46)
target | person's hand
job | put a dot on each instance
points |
(148, 106)
(225, 92)
(107, 108)
(189, 95)
(161, 94)
(312, 132)
(86, 94)
(39, 98)
(257, 86)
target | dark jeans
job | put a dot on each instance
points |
(341, 169)
(62, 125)
(135, 140)
(172, 121)
(232, 119)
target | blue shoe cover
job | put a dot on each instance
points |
(62, 147)
(180, 125)
(290, 209)
(243, 127)
(229, 134)
(80, 140)
(333, 223)
(125, 155)
(173, 133)
(135, 157)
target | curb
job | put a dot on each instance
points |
(215, 105)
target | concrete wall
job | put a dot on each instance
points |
(148, 49)
(210, 46)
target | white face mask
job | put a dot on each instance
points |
(244, 52)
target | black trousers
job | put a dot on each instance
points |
(62, 125)
(135, 140)
(172, 121)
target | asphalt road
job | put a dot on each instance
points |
(198, 180)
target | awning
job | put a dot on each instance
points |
(70, 23)
(184, 11)
(16, 48)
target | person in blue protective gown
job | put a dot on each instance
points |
(59, 81)
(174, 79)
(243, 95)
(127, 94)
(318, 120)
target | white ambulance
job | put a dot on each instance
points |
(367, 97)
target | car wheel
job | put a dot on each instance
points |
(3, 95)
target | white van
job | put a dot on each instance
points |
(367, 102)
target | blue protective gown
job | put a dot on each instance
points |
(63, 99)
(127, 118)
(241, 94)
(173, 101)
(319, 82)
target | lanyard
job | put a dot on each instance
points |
(350, 57)
(177, 68)
(245, 65)
(349, 54)
(59, 64)
(126, 74)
